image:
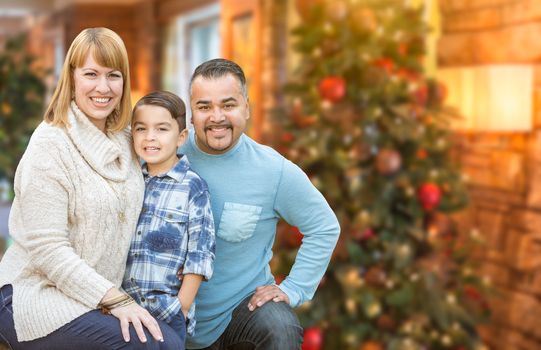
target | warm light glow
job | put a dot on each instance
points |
(491, 97)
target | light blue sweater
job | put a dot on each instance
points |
(252, 187)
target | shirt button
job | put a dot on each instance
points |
(136, 255)
(132, 279)
(143, 300)
(138, 232)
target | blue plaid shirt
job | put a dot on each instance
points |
(175, 233)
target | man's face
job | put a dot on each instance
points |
(220, 112)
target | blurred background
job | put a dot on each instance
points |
(418, 120)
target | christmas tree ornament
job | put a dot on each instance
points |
(384, 63)
(403, 49)
(351, 278)
(429, 196)
(279, 279)
(332, 88)
(368, 234)
(446, 340)
(373, 309)
(421, 154)
(375, 276)
(337, 10)
(293, 238)
(287, 137)
(329, 28)
(351, 306)
(364, 19)
(420, 95)
(371, 345)
(386, 322)
(363, 218)
(305, 7)
(313, 339)
(439, 226)
(298, 116)
(388, 162)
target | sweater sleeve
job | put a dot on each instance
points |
(43, 189)
(300, 204)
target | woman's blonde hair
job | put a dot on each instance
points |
(108, 50)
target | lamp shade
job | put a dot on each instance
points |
(491, 97)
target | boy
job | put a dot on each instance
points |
(175, 231)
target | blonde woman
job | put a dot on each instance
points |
(78, 193)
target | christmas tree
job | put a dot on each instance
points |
(22, 93)
(371, 131)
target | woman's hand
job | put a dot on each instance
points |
(138, 317)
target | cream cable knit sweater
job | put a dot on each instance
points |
(78, 194)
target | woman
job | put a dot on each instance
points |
(78, 193)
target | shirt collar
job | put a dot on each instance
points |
(177, 172)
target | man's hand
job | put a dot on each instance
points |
(266, 293)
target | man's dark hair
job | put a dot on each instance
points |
(167, 100)
(217, 68)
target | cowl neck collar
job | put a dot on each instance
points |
(107, 153)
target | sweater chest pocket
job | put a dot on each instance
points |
(238, 221)
(169, 227)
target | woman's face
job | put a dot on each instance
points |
(98, 90)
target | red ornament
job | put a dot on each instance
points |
(368, 234)
(279, 279)
(384, 63)
(421, 154)
(472, 292)
(287, 137)
(420, 95)
(429, 195)
(388, 162)
(332, 88)
(293, 238)
(313, 339)
(407, 74)
(363, 236)
(403, 49)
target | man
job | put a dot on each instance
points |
(252, 187)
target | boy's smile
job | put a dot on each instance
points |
(156, 137)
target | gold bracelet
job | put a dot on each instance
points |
(114, 300)
(121, 300)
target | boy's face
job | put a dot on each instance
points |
(156, 137)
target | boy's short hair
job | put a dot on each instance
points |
(167, 100)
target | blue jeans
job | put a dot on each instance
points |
(178, 324)
(91, 331)
(274, 326)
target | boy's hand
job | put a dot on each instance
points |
(264, 294)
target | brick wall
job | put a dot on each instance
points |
(504, 169)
